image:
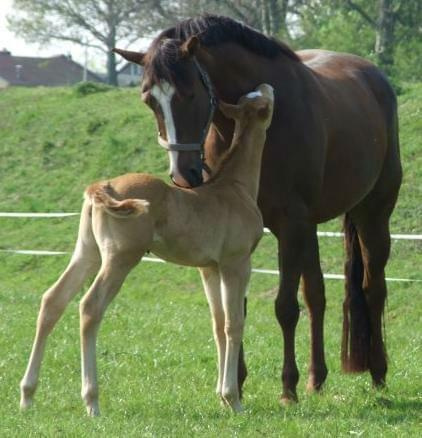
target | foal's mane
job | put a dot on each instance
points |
(212, 30)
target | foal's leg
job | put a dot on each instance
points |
(85, 261)
(314, 294)
(294, 243)
(234, 280)
(211, 280)
(92, 307)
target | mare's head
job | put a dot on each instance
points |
(178, 89)
(255, 108)
(179, 92)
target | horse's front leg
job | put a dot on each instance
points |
(293, 237)
(92, 307)
(234, 280)
(314, 294)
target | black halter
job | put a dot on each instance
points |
(213, 105)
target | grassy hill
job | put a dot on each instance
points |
(160, 380)
(53, 142)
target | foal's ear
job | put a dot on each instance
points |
(230, 111)
(135, 57)
(189, 47)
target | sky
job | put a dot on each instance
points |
(18, 47)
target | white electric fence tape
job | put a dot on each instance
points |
(157, 260)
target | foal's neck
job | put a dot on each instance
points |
(242, 166)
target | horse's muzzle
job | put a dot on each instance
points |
(190, 178)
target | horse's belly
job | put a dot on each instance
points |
(349, 176)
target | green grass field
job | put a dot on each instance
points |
(156, 355)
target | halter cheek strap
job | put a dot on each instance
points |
(213, 105)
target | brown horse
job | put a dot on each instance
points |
(332, 149)
(124, 218)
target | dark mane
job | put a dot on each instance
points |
(212, 30)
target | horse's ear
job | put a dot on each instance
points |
(190, 46)
(230, 111)
(135, 57)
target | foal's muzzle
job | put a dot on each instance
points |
(193, 177)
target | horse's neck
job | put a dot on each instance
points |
(243, 165)
(235, 74)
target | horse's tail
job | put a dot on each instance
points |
(128, 208)
(356, 325)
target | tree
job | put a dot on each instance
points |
(388, 31)
(268, 16)
(100, 24)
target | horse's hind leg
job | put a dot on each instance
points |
(314, 294)
(84, 262)
(374, 238)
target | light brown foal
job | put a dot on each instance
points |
(214, 227)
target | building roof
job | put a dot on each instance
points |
(53, 71)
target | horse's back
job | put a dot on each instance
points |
(331, 66)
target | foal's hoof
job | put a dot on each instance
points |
(93, 411)
(237, 408)
(234, 405)
(25, 403)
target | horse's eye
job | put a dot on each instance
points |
(187, 96)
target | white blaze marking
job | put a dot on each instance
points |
(164, 95)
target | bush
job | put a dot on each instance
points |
(86, 88)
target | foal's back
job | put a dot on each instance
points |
(194, 227)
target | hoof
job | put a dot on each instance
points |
(237, 408)
(93, 411)
(313, 387)
(379, 384)
(233, 403)
(288, 398)
(25, 403)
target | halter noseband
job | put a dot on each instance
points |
(213, 105)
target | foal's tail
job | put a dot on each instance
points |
(356, 325)
(128, 208)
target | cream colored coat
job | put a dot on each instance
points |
(214, 227)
